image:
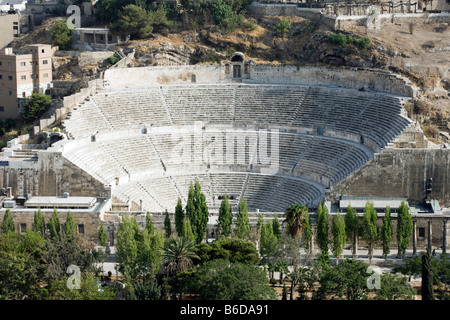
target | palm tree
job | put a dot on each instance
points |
(282, 267)
(178, 255)
(295, 218)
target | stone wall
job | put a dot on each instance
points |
(51, 175)
(121, 77)
(400, 173)
(90, 220)
(263, 9)
(347, 78)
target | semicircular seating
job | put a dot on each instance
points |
(157, 165)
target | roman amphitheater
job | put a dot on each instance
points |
(273, 135)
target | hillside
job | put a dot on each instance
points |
(421, 56)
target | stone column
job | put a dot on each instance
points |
(444, 236)
(430, 237)
(414, 237)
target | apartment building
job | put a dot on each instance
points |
(22, 74)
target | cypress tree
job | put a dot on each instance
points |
(187, 230)
(69, 227)
(242, 229)
(322, 228)
(307, 229)
(167, 225)
(8, 222)
(370, 227)
(39, 223)
(197, 211)
(339, 235)
(276, 227)
(386, 232)
(404, 228)
(149, 224)
(427, 277)
(102, 236)
(54, 225)
(351, 227)
(179, 217)
(225, 218)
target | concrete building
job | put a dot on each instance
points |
(95, 39)
(22, 74)
(12, 5)
(13, 25)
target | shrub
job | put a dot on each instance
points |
(250, 24)
(282, 28)
(114, 58)
(337, 38)
(363, 43)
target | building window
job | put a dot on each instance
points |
(2, 109)
(22, 64)
(23, 77)
(1, 77)
(1, 92)
(44, 61)
(9, 64)
(10, 78)
(42, 50)
(31, 63)
(421, 232)
(32, 76)
(81, 228)
(45, 75)
(0, 63)
(15, 23)
(23, 227)
(10, 93)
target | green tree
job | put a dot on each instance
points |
(178, 255)
(197, 211)
(242, 228)
(307, 230)
(386, 232)
(268, 241)
(282, 28)
(352, 228)
(7, 222)
(225, 218)
(369, 222)
(35, 106)
(61, 35)
(220, 280)
(339, 235)
(276, 227)
(179, 217)
(149, 224)
(133, 20)
(220, 11)
(348, 280)
(167, 225)
(187, 230)
(69, 227)
(394, 287)
(322, 228)
(54, 226)
(90, 289)
(404, 228)
(39, 223)
(102, 236)
(127, 247)
(232, 249)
